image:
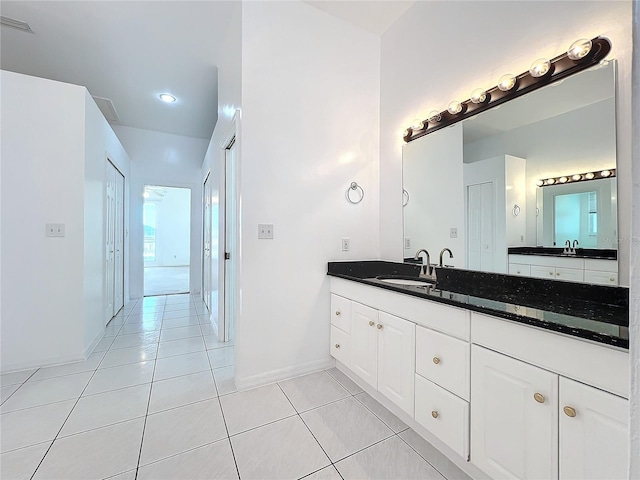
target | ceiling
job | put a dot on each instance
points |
(131, 51)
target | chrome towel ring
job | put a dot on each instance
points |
(353, 197)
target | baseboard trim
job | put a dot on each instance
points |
(283, 374)
(41, 363)
(94, 343)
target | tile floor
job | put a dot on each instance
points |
(156, 400)
(166, 280)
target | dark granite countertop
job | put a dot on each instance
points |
(595, 253)
(593, 312)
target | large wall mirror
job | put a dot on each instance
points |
(473, 187)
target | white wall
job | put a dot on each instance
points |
(52, 288)
(166, 160)
(491, 38)
(309, 127)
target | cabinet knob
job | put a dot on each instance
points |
(436, 360)
(379, 326)
(338, 313)
(434, 414)
(538, 397)
(569, 411)
(558, 274)
(337, 345)
(612, 279)
(371, 323)
(550, 273)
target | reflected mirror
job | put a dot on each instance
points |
(473, 187)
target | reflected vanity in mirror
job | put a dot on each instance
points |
(526, 188)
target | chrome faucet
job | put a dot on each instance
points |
(442, 253)
(425, 271)
(575, 242)
(567, 247)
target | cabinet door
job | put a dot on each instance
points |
(396, 360)
(594, 443)
(601, 278)
(569, 274)
(514, 417)
(543, 272)
(364, 343)
(520, 269)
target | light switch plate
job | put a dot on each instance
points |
(407, 243)
(54, 230)
(453, 233)
(346, 243)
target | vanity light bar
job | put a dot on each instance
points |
(581, 55)
(578, 177)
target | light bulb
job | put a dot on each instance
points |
(478, 95)
(579, 49)
(417, 125)
(434, 116)
(540, 68)
(454, 107)
(589, 176)
(167, 98)
(507, 82)
(540, 183)
(550, 181)
(605, 173)
(563, 179)
(576, 177)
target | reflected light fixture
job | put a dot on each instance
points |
(540, 183)
(417, 125)
(578, 177)
(167, 98)
(605, 173)
(550, 181)
(589, 176)
(579, 49)
(563, 179)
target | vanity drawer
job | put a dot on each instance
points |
(443, 414)
(601, 278)
(340, 345)
(519, 269)
(341, 312)
(543, 272)
(569, 274)
(443, 360)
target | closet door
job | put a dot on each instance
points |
(110, 236)
(119, 243)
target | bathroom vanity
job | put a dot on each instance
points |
(510, 377)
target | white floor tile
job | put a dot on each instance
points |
(214, 461)
(107, 408)
(180, 332)
(254, 408)
(224, 378)
(41, 392)
(179, 391)
(130, 475)
(112, 329)
(156, 300)
(222, 357)
(207, 329)
(135, 340)
(123, 376)
(281, 450)
(191, 426)
(181, 365)
(180, 322)
(20, 464)
(89, 365)
(311, 391)
(177, 299)
(144, 317)
(180, 347)
(351, 386)
(172, 311)
(103, 345)
(141, 327)
(390, 420)
(387, 460)
(6, 392)
(344, 427)
(34, 425)
(125, 356)
(211, 341)
(432, 455)
(99, 453)
(327, 473)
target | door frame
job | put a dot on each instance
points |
(111, 163)
(206, 296)
(230, 137)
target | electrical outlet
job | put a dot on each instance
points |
(345, 244)
(54, 230)
(453, 233)
(265, 231)
(521, 238)
(407, 243)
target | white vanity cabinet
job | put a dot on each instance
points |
(570, 269)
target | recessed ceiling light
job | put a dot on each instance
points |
(165, 97)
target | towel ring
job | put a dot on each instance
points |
(354, 187)
(516, 210)
(405, 197)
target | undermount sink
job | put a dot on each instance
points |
(407, 281)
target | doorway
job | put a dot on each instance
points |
(226, 329)
(114, 240)
(166, 218)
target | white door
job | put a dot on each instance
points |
(206, 244)
(594, 433)
(364, 343)
(514, 417)
(481, 226)
(396, 360)
(110, 237)
(119, 244)
(225, 328)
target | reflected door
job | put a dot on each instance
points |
(206, 254)
(481, 227)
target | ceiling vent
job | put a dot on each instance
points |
(108, 110)
(13, 23)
